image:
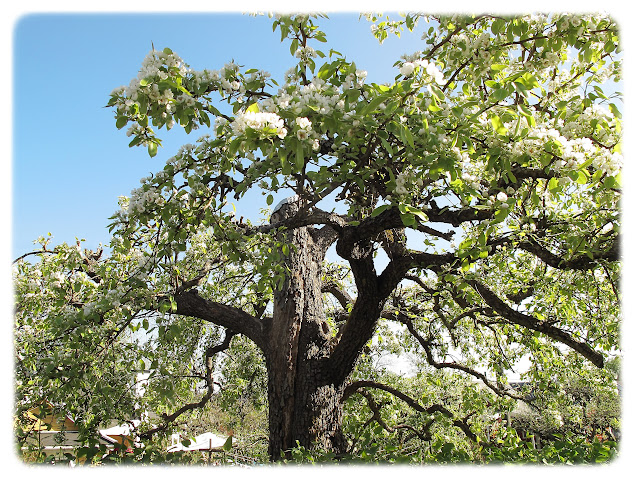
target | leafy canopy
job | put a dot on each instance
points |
(487, 170)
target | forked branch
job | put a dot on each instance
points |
(210, 353)
(426, 346)
(361, 385)
(531, 323)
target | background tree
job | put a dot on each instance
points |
(473, 200)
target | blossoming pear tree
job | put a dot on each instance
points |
(473, 198)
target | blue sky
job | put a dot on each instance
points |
(70, 163)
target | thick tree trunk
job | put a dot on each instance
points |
(304, 403)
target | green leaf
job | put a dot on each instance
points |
(227, 445)
(253, 108)
(497, 26)
(378, 210)
(205, 118)
(610, 182)
(528, 115)
(407, 136)
(499, 94)
(439, 94)
(465, 265)
(284, 161)
(152, 148)
(501, 214)
(521, 89)
(498, 126)
(293, 47)
(528, 81)
(614, 110)
(408, 219)
(299, 157)
(583, 177)
(269, 199)
(121, 122)
(417, 213)
(351, 95)
(136, 140)
(386, 146)
(374, 103)
(326, 70)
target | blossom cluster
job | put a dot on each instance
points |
(582, 125)
(317, 95)
(298, 98)
(401, 181)
(162, 81)
(265, 123)
(304, 128)
(469, 44)
(158, 66)
(570, 142)
(576, 152)
(406, 182)
(431, 70)
(295, 109)
(306, 53)
(500, 200)
(141, 198)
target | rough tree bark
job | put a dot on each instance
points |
(304, 398)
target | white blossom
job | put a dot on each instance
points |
(267, 123)
(304, 123)
(407, 68)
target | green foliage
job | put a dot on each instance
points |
(573, 451)
(504, 129)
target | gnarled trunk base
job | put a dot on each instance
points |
(304, 403)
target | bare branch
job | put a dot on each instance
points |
(421, 283)
(338, 292)
(436, 233)
(200, 277)
(354, 386)
(303, 218)
(35, 252)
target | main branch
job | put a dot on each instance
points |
(531, 323)
(191, 304)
